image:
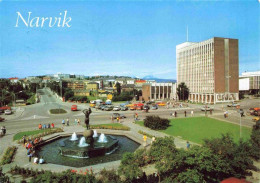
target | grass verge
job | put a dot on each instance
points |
(48, 131)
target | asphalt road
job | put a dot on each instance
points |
(39, 113)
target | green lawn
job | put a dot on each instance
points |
(198, 128)
(20, 135)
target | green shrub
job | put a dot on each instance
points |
(156, 123)
(109, 176)
(8, 155)
(58, 111)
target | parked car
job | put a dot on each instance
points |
(8, 112)
(133, 107)
(108, 108)
(150, 102)
(121, 116)
(206, 108)
(146, 107)
(5, 108)
(154, 107)
(116, 108)
(124, 108)
(74, 108)
(233, 105)
(160, 103)
(2, 119)
(139, 107)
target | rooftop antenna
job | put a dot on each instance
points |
(187, 34)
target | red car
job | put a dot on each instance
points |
(74, 108)
(5, 108)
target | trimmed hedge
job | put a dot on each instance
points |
(126, 128)
(8, 155)
(156, 123)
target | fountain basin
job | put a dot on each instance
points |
(72, 149)
(51, 152)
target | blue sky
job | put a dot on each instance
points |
(134, 38)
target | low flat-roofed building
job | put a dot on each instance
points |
(159, 91)
(249, 82)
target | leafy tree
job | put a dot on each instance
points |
(236, 156)
(129, 167)
(68, 94)
(124, 96)
(198, 164)
(3, 178)
(255, 141)
(118, 88)
(183, 91)
(162, 148)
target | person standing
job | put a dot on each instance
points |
(63, 122)
(145, 139)
(78, 121)
(112, 119)
(52, 125)
(75, 121)
(185, 113)
(4, 130)
(175, 113)
(191, 113)
(188, 145)
(68, 122)
(118, 119)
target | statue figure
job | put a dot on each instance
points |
(87, 113)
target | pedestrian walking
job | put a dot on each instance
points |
(75, 121)
(52, 125)
(68, 122)
(191, 113)
(187, 145)
(63, 122)
(118, 119)
(78, 121)
(4, 130)
(185, 113)
(175, 113)
(145, 139)
(112, 119)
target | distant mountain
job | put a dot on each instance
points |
(158, 80)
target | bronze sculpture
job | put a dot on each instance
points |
(87, 113)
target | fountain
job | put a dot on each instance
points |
(102, 138)
(95, 134)
(82, 142)
(74, 137)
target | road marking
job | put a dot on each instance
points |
(35, 117)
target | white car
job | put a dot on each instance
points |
(233, 105)
(116, 108)
(8, 112)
